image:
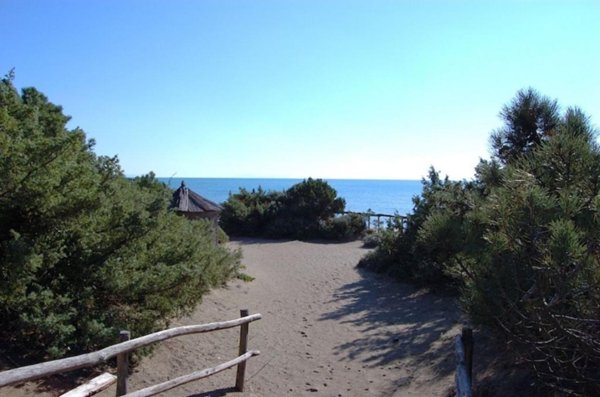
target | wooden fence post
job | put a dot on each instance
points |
(467, 340)
(241, 368)
(463, 346)
(122, 366)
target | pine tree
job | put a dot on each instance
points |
(84, 251)
(538, 277)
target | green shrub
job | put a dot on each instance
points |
(345, 227)
(312, 200)
(372, 240)
(521, 242)
(429, 249)
(222, 237)
(248, 213)
(304, 211)
(85, 252)
(537, 277)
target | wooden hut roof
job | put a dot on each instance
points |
(186, 200)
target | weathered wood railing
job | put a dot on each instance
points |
(464, 363)
(122, 350)
(377, 223)
(92, 386)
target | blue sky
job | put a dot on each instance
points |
(329, 89)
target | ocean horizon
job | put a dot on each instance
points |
(386, 196)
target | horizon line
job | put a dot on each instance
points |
(287, 178)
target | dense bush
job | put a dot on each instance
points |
(429, 248)
(537, 276)
(529, 120)
(521, 242)
(371, 239)
(248, 213)
(304, 211)
(344, 227)
(85, 252)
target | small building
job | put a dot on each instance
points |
(193, 206)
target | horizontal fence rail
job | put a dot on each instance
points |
(182, 380)
(377, 216)
(37, 371)
(92, 386)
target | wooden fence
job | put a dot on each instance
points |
(464, 363)
(122, 350)
(373, 220)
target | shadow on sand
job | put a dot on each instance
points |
(262, 240)
(216, 393)
(398, 322)
(257, 240)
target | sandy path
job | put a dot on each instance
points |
(327, 330)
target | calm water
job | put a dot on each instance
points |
(381, 196)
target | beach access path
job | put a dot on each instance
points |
(328, 329)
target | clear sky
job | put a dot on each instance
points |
(297, 88)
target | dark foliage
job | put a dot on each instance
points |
(85, 252)
(429, 248)
(537, 276)
(344, 227)
(529, 120)
(521, 243)
(305, 211)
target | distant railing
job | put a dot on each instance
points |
(122, 350)
(376, 222)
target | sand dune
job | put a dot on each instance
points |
(327, 330)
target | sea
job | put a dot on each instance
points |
(361, 195)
